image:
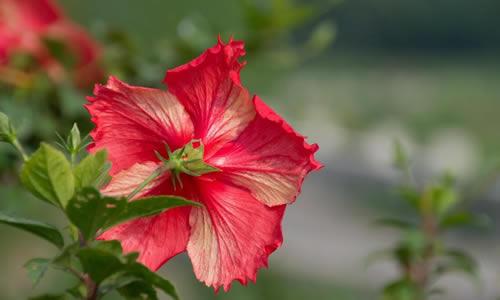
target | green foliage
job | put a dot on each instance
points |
(48, 175)
(7, 133)
(45, 231)
(92, 170)
(421, 253)
(100, 266)
(90, 212)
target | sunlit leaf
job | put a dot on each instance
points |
(47, 174)
(91, 169)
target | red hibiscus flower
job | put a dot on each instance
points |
(231, 152)
(25, 27)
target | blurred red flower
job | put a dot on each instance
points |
(261, 163)
(28, 26)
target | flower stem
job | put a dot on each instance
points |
(156, 173)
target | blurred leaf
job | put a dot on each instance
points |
(7, 133)
(401, 160)
(443, 198)
(36, 268)
(61, 52)
(464, 218)
(457, 260)
(90, 169)
(411, 196)
(402, 290)
(322, 37)
(47, 174)
(394, 223)
(43, 230)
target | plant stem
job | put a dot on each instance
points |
(19, 148)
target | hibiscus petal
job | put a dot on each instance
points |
(269, 158)
(232, 236)
(209, 88)
(132, 122)
(157, 238)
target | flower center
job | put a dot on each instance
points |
(187, 160)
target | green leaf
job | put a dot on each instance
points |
(458, 261)
(74, 139)
(402, 290)
(99, 263)
(90, 169)
(43, 230)
(36, 268)
(138, 290)
(7, 133)
(443, 198)
(141, 271)
(464, 218)
(394, 223)
(146, 207)
(106, 265)
(47, 174)
(90, 212)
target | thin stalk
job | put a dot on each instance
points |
(19, 148)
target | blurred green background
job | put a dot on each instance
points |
(425, 72)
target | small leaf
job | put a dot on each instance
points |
(146, 207)
(36, 268)
(7, 133)
(74, 139)
(90, 169)
(47, 174)
(43, 230)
